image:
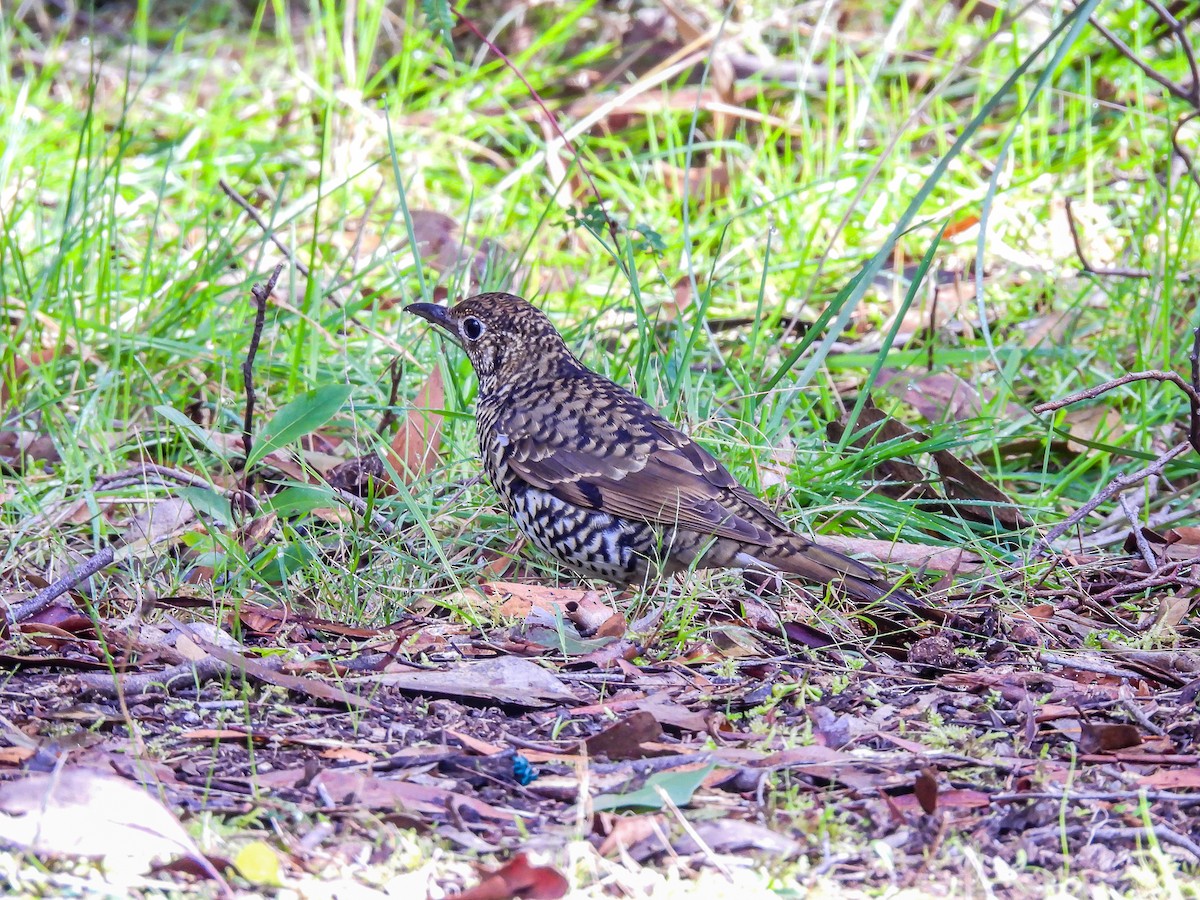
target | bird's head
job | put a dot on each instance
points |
(506, 337)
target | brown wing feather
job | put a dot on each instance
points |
(640, 467)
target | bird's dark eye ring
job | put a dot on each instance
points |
(472, 328)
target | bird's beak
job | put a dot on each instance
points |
(436, 314)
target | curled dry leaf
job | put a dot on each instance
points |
(925, 787)
(20, 449)
(587, 610)
(781, 460)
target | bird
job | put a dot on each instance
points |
(597, 479)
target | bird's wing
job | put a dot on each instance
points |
(607, 450)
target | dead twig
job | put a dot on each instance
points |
(1194, 396)
(1189, 52)
(259, 293)
(1121, 483)
(1150, 375)
(1116, 271)
(1138, 715)
(1138, 582)
(608, 220)
(1188, 94)
(395, 372)
(1179, 149)
(1105, 796)
(1083, 664)
(1191, 390)
(1139, 537)
(359, 505)
(151, 473)
(1160, 833)
(47, 595)
(180, 677)
(258, 220)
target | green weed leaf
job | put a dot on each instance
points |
(305, 414)
(679, 786)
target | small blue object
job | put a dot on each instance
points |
(523, 770)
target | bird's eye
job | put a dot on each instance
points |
(472, 328)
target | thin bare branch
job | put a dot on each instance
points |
(1093, 392)
(1179, 148)
(1177, 90)
(1114, 487)
(258, 220)
(1189, 52)
(47, 595)
(1139, 537)
(259, 293)
(1118, 271)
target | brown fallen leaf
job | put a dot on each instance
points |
(937, 396)
(159, 521)
(894, 477)
(932, 557)
(1098, 422)
(681, 299)
(415, 448)
(587, 610)
(1171, 779)
(20, 366)
(925, 789)
(728, 835)
(441, 244)
(624, 739)
(237, 735)
(505, 679)
(369, 791)
(954, 798)
(674, 715)
(518, 879)
(985, 501)
(1103, 737)
(626, 831)
(700, 184)
(18, 449)
(899, 478)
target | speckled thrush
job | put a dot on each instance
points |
(599, 480)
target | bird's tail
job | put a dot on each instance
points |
(821, 564)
